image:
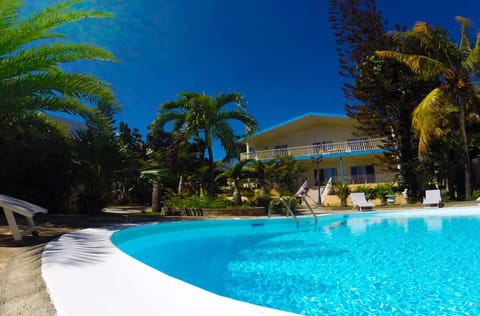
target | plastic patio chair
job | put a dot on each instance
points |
(12, 205)
(359, 201)
(432, 198)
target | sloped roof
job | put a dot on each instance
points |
(301, 121)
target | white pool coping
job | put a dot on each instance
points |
(86, 274)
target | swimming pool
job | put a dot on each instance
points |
(415, 262)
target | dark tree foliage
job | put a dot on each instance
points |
(284, 174)
(35, 161)
(383, 93)
(97, 158)
(129, 187)
(359, 31)
(181, 158)
(131, 139)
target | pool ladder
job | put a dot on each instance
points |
(288, 207)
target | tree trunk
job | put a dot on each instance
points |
(156, 197)
(210, 176)
(237, 197)
(466, 155)
(408, 152)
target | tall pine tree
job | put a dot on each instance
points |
(382, 94)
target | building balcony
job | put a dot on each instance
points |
(325, 150)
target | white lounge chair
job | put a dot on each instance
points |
(12, 205)
(359, 201)
(432, 198)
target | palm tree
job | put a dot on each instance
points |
(454, 66)
(155, 174)
(98, 161)
(238, 172)
(31, 78)
(207, 118)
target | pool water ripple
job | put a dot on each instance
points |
(358, 266)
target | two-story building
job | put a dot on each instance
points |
(327, 143)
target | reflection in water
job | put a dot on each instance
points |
(434, 223)
(400, 222)
(359, 226)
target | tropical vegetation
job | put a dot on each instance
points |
(446, 108)
(416, 87)
(37, 151)
(31, 75)
(205, 119)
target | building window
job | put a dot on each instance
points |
(325, 174)
(362, 174)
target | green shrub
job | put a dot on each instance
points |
(277, 207)
(382, 190)
(196, 201)
(261, 200)
(475, 194)
(378, 192)
(370, 193)
(294, 203)
(342, 190)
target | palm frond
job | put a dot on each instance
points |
(465, 45)
(169, 116)
(239, 170)
(426, 35)
(249, 121)
(222, 99)
(224, 132)
(9, 11)
(36, 27)
(472, 62)
(187, 95)
(426, 67)
(47, 57)
(30, 75)
(474, 106)
(18, 94)
(84, 87)
(170, 105)
(202, 115)
(427, 118)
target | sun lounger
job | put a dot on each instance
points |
(12, 205)
(432, 198)
(359, 201)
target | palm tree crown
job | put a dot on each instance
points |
(454, 67)
(207, 118)
(31, 78)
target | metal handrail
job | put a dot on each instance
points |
(284, 204)
(306, 202)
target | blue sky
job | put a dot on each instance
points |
(279, 53)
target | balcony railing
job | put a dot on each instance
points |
(317, 149)
(386, 177)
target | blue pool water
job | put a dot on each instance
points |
(398, 262)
